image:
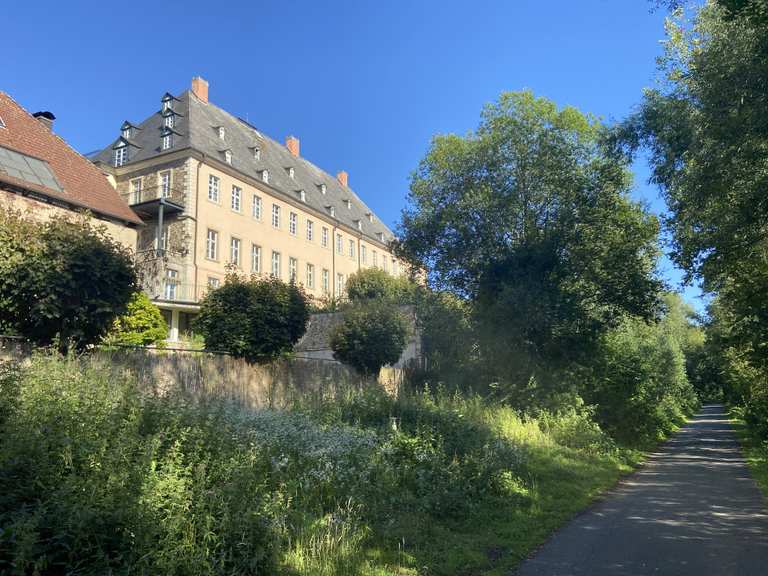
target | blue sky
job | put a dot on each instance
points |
(363, 84)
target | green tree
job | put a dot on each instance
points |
(63, 279)
(376, 284)
(141, 325)
(372, 335)
(529, 220)
(254, 318)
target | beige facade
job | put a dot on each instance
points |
(215, 217)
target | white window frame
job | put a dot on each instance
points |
(171, 283)
(168, 121)
(375, 259)
(256, 207)
(363, 254)
(236, 202)
(275, 216)
(352, 248)
(326, 280)
(339, 244)
(234, 250)
(165, 183)
(121, 156)
(213, 188)
(293, 269)
(212, 244)
(276, 264)
(310, 275)
(213, 282)
(167, 142)
(324, 237)
(228, 156)
(293, 223)
(255, 259)
(265, 176)
(339, 284)
(136, 189)
(310, 230)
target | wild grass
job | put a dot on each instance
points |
(755, 448)
(98, 477)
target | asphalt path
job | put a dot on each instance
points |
(692, 509)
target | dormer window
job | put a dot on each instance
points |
(303, 195)
(349, 204)
(167, 101)
(168, 121)
(126, 132)
(222, 132)
(323, 189)
(380, 236)
(370, 216)
(166, 105)
(359, 225)
(121, 155)
(228, 156)
(265, 176)
(291, 172)
(167, 141)
(256, 153)
(332, 211)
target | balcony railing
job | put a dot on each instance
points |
(145, 195)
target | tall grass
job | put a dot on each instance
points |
(98, 477)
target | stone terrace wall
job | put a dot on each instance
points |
(278, 384)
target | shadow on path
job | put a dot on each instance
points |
(693, 509)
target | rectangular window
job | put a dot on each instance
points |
(256, 207)
(363, 254)
(351, 248)
(213, 188)
(339, 285)
(255, 258)
(339, 244)
(324, 237)
(275, 216)
(276, 264)
(234, 251)
(169, 121)
(293, 223)
(165, 184)
(171, 284)
(384, 262)
(121, 156)
(293, 266)
(136, 191)
(310, 275)
(213, 282)
(237, 194)
(326, 281)
(310, 230)
(212, 245)
(375, 259)
(164, 235)
(167, 141)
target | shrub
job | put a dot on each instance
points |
(257, 319)
(372, 335)
(61, 279)
(376, 284)
(141, 325)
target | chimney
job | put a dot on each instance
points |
(292, 143)
(200, 88)
(343, 178)
(45, 118)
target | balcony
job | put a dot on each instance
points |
(156, 201)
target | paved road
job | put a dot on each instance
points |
(693, 509)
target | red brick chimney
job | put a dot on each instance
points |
(343, 178)
(200, 88)
(292, 143)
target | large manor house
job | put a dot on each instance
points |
(194, 190)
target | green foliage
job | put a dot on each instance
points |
(98, 477)
(639, 382)
(371, 335)
(254, 318)
(141, 325)
(376, 284)
(61, 280)
(530, 221)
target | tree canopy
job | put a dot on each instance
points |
(255, 318)
(529, 220)
(63, 279)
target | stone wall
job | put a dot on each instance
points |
(279, 384)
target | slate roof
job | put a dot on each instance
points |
(196, 125)
(54, 169)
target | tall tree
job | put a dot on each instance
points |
(530, 220)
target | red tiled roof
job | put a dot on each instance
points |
(84, 185)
